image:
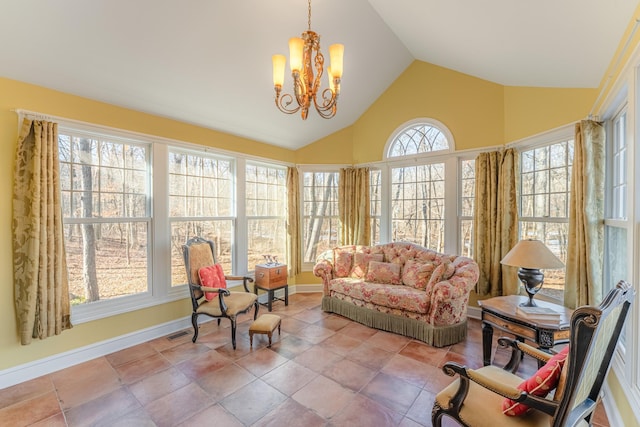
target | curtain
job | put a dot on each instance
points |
(293, 222)
(39, 262)
(495, 222)
(583, 283)
(353, 206)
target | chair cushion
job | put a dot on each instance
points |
(539, 384)
(212, 276)
(481, 407)
(237, 302)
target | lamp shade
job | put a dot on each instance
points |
(336, 52)
(531, 254)
(296, 47)
(279, 62)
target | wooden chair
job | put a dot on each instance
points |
(475, 398)
(198, 253)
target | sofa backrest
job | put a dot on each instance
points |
(418, 264)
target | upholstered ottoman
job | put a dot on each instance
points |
(265, 324)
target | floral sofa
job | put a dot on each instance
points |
(400, 287)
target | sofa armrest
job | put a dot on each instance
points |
(324, 270)
(449, 298)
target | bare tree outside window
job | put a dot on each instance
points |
(320, 213)
(266, 203)
(201, 203)
(544, 204)
(105, 186)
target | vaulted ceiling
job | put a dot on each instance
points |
(208, 62)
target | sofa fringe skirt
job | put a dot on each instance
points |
(437, 336)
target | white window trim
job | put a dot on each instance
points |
(160, 289)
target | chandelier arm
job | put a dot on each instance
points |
(283, 102)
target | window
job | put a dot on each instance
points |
(467, 202)
(375, 205)
(266, 205)
(105, 202)
(417, 205)
(320, 222)
(201, 203)
(616, 218)
(422, 185)
(544, 204)
(419, 138)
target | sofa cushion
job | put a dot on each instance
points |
(361, 263)
(417, 273)
(404, 298)
(342, 261)
(384, 272)
(442, 272)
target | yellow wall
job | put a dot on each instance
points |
(29, 97)
(530, 111)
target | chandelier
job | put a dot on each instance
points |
(302, 51)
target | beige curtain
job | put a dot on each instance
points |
(293, 222)
(583, 283)
(353, 206)
(39, 264)
(495, 222)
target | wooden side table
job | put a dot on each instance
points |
(270, 278)
(500, 312)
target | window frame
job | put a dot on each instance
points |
(554, 136)
(308, 265)
(160, 290)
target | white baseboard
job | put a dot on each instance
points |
(37, 368)
(474, 312)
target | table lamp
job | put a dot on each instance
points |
(530, 256)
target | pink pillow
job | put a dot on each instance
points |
(361, 262)
(210, 277)
(540, 384)
(417, 273)
(384, 272)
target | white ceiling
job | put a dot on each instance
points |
(208, 62)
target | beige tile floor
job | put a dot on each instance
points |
(324, 370)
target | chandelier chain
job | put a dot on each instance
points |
(309, 17)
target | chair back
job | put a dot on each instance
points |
(197, 253)
(594, 336)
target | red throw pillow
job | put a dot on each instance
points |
(540, 384)
(210, 278)
(221, 278)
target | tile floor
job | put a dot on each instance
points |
(324, 370)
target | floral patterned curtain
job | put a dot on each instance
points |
(39, 262)
(293, 222)
(495, 222)
(353, 207)
(583, 283)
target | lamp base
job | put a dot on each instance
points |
(532, 279)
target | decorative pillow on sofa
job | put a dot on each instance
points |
(361, 262)
(342, 260)
(212, 276)
(417, 273)
(384, 272)
(442, 272)
(540, 384)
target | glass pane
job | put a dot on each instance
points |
(106, 261)
(266, 237)
(218, 231)
(466, 238)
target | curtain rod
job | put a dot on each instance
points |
(615, 66)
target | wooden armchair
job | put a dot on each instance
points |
(198, 253)
(476, 397)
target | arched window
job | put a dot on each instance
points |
(422, 202)
(419, 137)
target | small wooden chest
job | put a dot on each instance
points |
(271, 276)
